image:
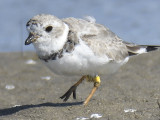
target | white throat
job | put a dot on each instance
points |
(52, 45)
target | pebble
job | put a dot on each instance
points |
(9, 87)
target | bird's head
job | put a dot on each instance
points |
(43, 27)
(46, 32)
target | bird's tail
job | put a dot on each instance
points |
(139, 49)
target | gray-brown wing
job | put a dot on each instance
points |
(113, 47)
(100, 39)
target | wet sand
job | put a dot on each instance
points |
(133, 93)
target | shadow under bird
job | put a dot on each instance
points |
(80, 47)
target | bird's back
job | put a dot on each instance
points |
(100, 39)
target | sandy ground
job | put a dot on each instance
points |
(133, 93)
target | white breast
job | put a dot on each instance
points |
(82, 61)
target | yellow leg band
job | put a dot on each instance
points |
(97, 79)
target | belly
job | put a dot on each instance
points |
(74, 64)
(82, 61)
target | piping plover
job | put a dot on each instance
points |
(81, 47)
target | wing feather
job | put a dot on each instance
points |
(100, 39)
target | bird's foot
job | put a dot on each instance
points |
(72, 89)
(66, 96)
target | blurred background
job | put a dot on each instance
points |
(136, 21)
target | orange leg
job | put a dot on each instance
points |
(73, 88)
(96, 81)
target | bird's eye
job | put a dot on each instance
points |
(48, 29)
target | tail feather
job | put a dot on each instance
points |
(134, 49)
(151, 48)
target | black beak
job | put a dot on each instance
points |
(31, 38)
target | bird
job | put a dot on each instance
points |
(80, 47)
